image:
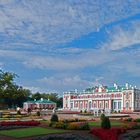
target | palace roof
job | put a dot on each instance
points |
(41, 101)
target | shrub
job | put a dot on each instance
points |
(105, 123)
(85, 111)
(72, 126)
(38, 113)
(76, 120)
(84, 126)
(29, 110)
(129, 119)
(6, 116)
(102, 116)
(61, 125)
(18, 116)
(54, 117)
(125, 126)
(137, 120)
(18, 112)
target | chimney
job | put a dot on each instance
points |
(76, 90)
(126, 85)
(115, 86)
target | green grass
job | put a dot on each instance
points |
(27, 132)
(98, 124)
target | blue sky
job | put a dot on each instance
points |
(61, 45)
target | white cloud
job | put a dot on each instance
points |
(37, 22)
(91, 57)
(65, 83)
(120, 38)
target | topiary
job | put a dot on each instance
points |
(85, 111)
(18, 112)
(105, 123)
(54, 117)
(38, 113)
(102, 116)
(29, 110)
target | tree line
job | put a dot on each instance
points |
(14, 95)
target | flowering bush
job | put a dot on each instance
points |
(73, 120)
(26, 123)
(108, 134)
(126, 126)
(59, 124)
(127, 119)
(72, 126)
(78, 126)
(137, 120)
(69, 112)
(6, 116)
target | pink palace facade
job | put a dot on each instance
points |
(117, 98)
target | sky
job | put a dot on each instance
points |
(62, 45)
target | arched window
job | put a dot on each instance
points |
(127, 105)
(100, 105)
(106, 105)
(94, 105)
(81, 105)
(127, 95)
(90, 104)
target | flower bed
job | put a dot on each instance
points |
(25, 123)
(108, 134)
(69, 112)
(71, 125)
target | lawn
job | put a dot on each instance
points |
(98, 123)
(27, 132)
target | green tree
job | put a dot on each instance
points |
(12, 94)
(36, 96)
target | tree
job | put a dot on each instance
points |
(36, 96)
(12, 94)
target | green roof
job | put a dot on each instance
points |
(44, 101)
(40, 101)
(108, 89)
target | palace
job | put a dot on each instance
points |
(117, 98)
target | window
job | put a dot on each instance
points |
(86, 105)
(81, 105)
(119, 105)
(94, 105)
(71, 105)
(76, 104)
(127, 96)
(100, 105)
(114, 105)
(106, 105)
(90, 104)
(127, 105)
